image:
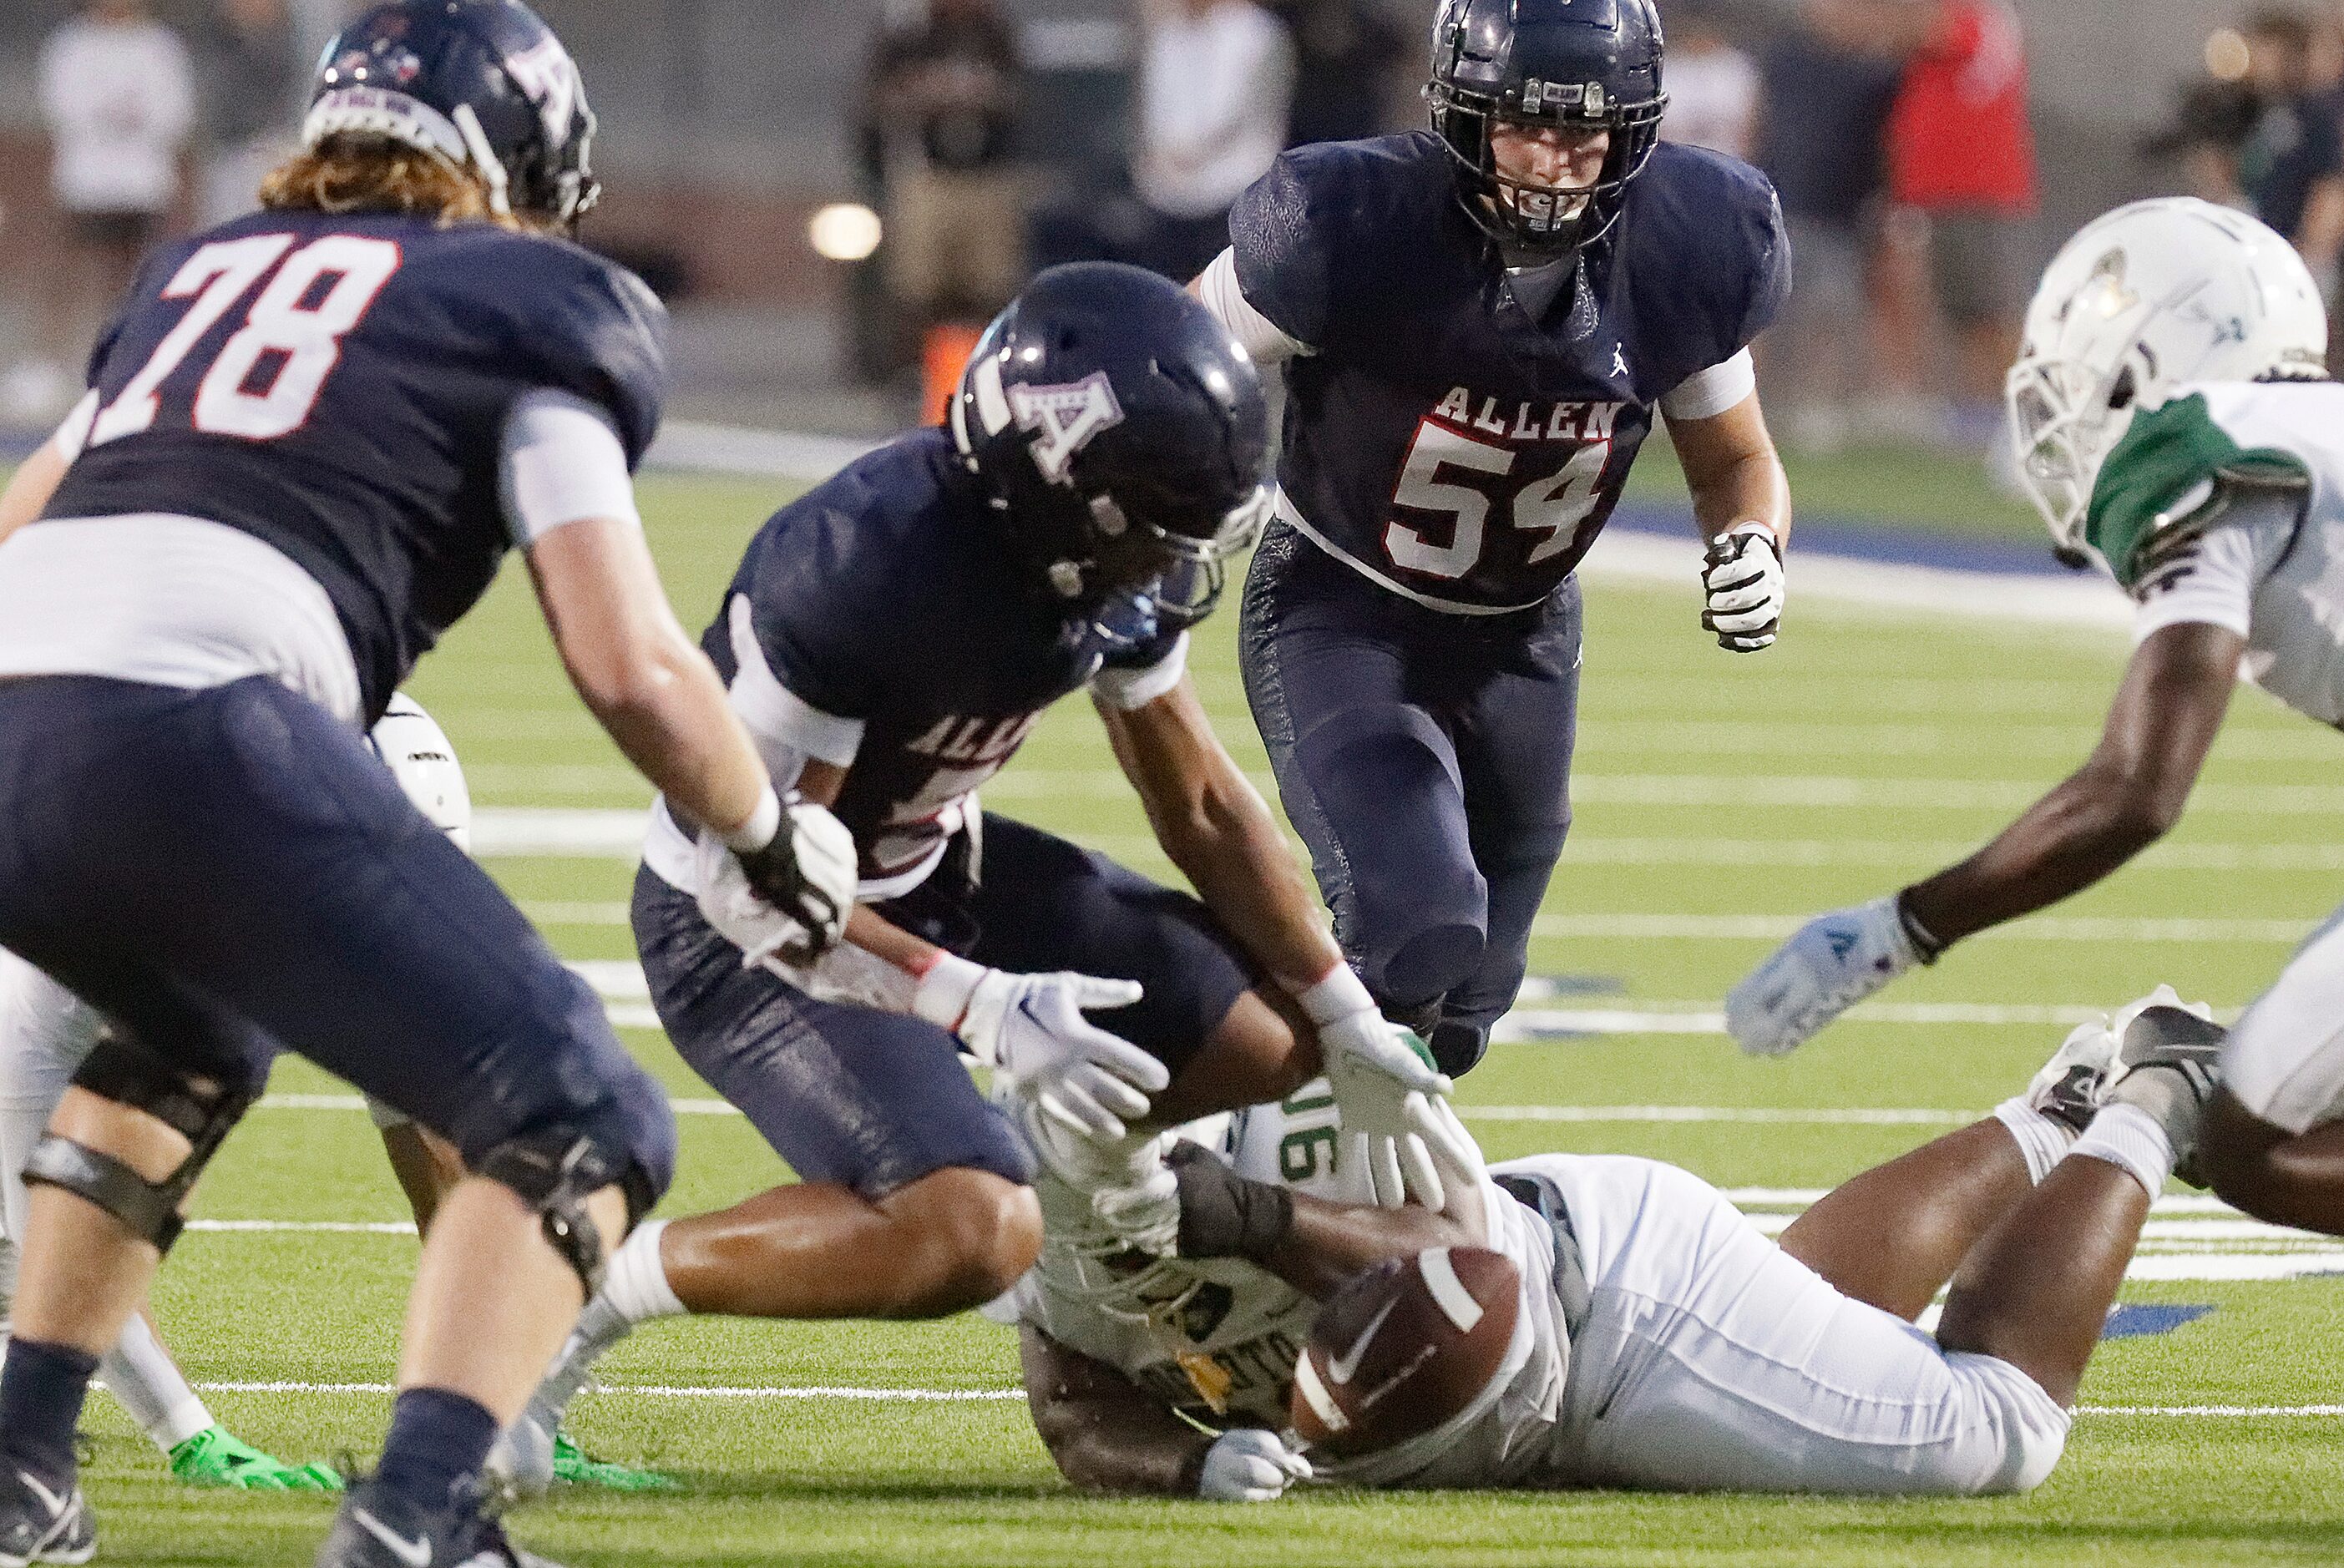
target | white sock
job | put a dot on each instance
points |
(2128, 1136)
(2041, 1139)
(635, 1285)
(141, 1374)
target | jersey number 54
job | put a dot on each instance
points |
(1554, 504)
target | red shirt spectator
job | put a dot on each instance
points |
(1958, 136)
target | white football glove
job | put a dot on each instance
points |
(1742, 580)
(1247, 1464)
(1833, 962)
(786, 904)
(1383, 1090)
(1032, 1027)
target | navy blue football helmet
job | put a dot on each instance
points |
(1125, 434)
(1567, 62)
(483, 84)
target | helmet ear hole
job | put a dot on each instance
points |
(2124, 390)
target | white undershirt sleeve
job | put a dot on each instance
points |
(73, 434)
(1265, 339)
(2213, 580)
(561, 463)
(1127, 691)
(1705, 394)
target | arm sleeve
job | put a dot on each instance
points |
(1265, 339)
(1129, 687)
(562, 462)
(1769, 283)
(787, 727)
(73, 434)
(2214, 579)
(1705, 394)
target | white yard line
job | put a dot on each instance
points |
(2052, 929)
(846, 1394)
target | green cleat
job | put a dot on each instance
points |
(570, 1464)
(216, 1457)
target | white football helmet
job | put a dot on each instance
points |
(420, 755)
(2144, 299)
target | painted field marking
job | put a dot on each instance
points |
(616, 833)
(993, 1396)
(2055, 928)
(1724, 928)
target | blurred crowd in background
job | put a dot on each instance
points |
(1898, 133)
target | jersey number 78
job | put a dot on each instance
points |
(266, 377)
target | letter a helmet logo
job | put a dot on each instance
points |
(1064, 419)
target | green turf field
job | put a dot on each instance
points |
(1713, 789)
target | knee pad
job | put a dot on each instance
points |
(199, 1109)
(1416, 915)
(556, 1167)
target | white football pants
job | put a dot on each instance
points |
(2285, 1058)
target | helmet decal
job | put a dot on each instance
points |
(1063, 419)
(550, 77)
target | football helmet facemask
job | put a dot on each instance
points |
(1125, 434)
(483, 84)
(1584, 65)
(2143, 300)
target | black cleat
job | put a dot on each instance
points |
(41, 1524)
(378, 1530)
(2168, 1064)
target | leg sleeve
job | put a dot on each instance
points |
(1514, 746)
(1367, 774)
(2285, 1058)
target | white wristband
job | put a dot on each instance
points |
(943, 994)
(1339, 995)
(759, 831)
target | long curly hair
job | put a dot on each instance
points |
(353, 172)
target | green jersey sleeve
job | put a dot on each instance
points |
(2172, 466)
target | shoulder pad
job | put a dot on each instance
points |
(1320, 208)
(1714, 225)
(600, 333)
(2174, 475)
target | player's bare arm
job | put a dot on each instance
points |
(1742, 503)
(30, 487)
(1103, 1431)
(2127, 796)
(647, 682)
(1217, 829)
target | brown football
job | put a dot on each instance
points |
(1403, 1348)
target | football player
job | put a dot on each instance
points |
(891, 638)
(310, 437)
(1660, 1339)
(2176, 425)
(1478, 324)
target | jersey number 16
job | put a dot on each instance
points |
(266, 377)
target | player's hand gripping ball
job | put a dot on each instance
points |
(1407, 1346)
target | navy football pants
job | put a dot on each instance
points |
(873, 1101)
(229, 873)
(1425, 758)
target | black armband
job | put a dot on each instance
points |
(1223, 1214)
(1926, 944)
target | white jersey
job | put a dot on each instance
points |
(2277, 583)
(1705, 1357)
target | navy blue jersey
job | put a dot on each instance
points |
(893, 597)
(1440, 435)
(338, 386)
